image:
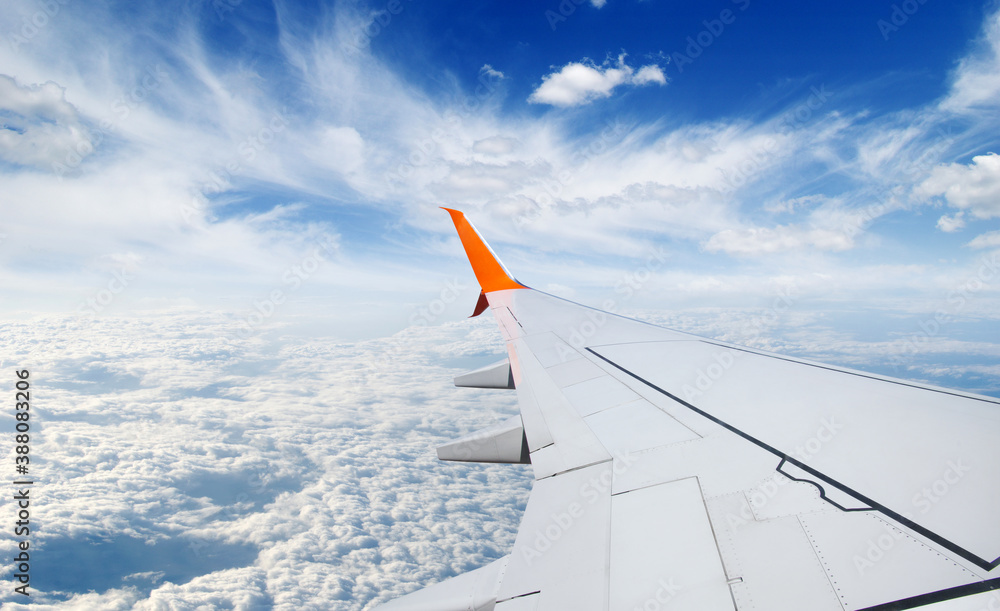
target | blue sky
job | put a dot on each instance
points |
(264, 178)
(205, 148)
(202, 143)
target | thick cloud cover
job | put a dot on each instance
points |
(177, 464)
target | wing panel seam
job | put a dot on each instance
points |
(822, 492)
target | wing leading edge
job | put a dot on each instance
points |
(676, 472)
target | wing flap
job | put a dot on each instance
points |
(562, 546)
(663, 551)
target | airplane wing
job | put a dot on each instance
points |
(682, 473)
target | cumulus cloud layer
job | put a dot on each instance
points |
(195, 468)
(578, 83)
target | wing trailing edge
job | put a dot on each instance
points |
(472, 591)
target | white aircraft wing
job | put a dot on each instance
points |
(676, 472)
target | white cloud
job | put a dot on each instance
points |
(579, 83)
(974, 187)
(339, 148)
(794, 204)
(990, 239)
(490, 72)
(39, 127)
(950, 224)
(782, 238)
(977, 79)
(46, 101)
(881, 153)
(649, 74)
(495, 145)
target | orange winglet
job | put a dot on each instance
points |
(489, 271)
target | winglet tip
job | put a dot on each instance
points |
(490, 272)
(456, 215)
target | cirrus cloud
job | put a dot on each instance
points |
(977, 79)
(990, 239)
(765, 240)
